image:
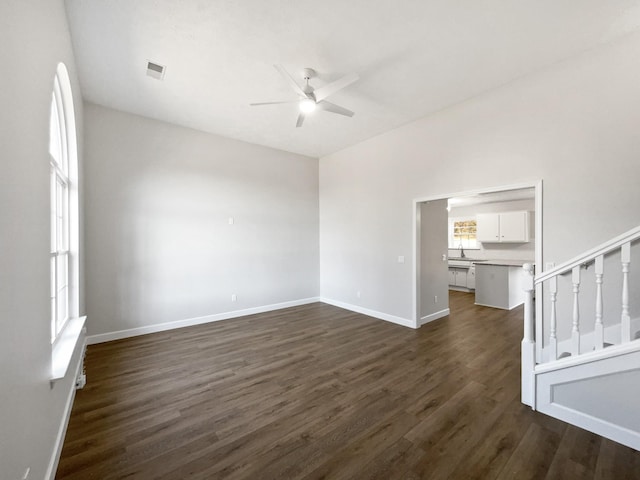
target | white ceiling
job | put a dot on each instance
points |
(414, 57)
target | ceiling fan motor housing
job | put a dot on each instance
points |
(308, 73)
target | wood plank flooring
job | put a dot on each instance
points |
(317, 392)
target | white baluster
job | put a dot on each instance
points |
(553, 339)
(599, 328)
(575, 330)
(625, 257)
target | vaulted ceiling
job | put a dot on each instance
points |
(414, 57)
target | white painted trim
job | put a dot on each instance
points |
(415, 294)
(496, 306)
(539, 318)
(434, 316)
(528, 361)
(161, 327)
(596, 355)
(66, 415)
(612, 334)
(590, 255)
(64, 346)
(536, 185)
(372, 313)
(593, 424)
(455, 288)
(479, 191)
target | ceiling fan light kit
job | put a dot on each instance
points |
(310, 98)
(307, 105)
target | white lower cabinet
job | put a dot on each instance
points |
(459, 277)
(471, 278)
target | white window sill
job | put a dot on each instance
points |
(63, 348)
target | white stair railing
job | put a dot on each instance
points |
(599, 327)
(573, 267)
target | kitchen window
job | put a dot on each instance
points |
(462, 232)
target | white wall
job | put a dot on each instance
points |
(33, 39)
(575, 126)
(159, 245)
(434, 272)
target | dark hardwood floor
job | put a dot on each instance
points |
(318, 392)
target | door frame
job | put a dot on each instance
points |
(536, 185)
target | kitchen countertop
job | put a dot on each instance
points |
(504, 263)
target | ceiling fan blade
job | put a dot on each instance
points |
(333, 108)
(292, 82)
(273, 103)
(331, 88)
(300, 120)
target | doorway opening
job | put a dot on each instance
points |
(451, 239)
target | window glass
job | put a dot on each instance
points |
(462, 233)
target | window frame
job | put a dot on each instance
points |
(64, 208)
(450, 233)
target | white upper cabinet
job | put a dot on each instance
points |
(507, 227)
(488, 227)
(514, 227)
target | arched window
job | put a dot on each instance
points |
(64, 204)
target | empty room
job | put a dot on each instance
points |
(302, 240)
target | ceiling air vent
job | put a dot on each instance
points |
(155, 71)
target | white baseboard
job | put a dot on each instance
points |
(434, 316)
(66, 415)
(161, 327)
(372, 313)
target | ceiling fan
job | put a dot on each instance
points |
(311, 98)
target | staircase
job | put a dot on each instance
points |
(584, 368)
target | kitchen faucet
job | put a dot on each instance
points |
(462, 255)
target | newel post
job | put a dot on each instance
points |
(528, 340)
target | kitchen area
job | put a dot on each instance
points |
(490, 237)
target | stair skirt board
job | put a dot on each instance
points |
(599, 396)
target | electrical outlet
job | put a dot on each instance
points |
(435, 299)
(400, 258)
(231, 220)
(234, 297)
(549, 265)
(81, 381)
(358, 294)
